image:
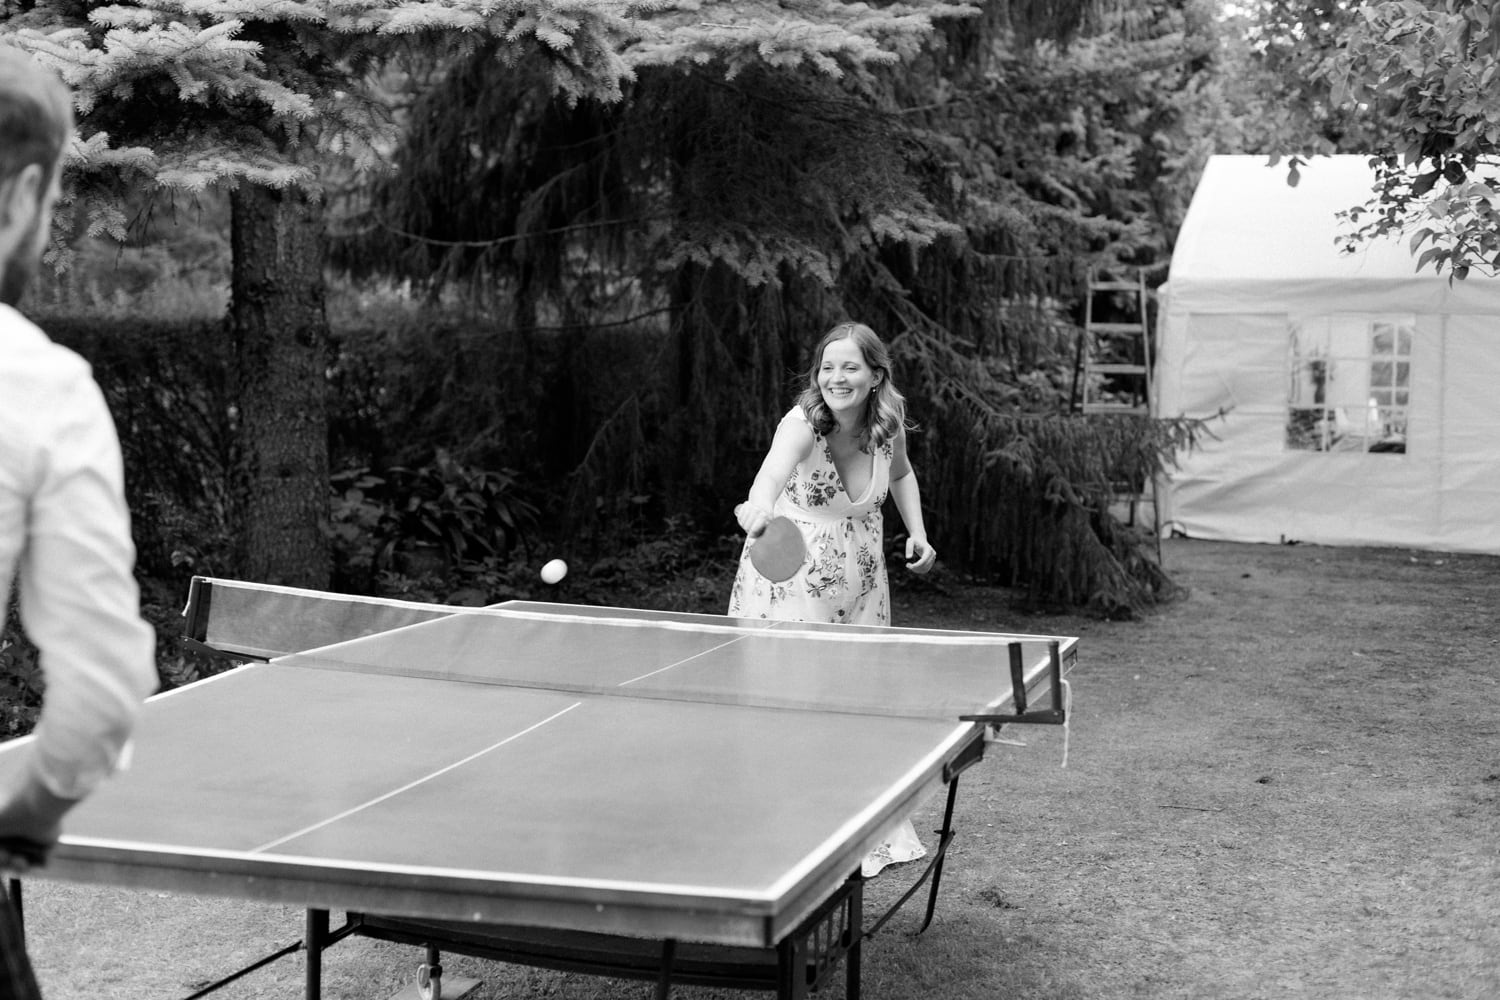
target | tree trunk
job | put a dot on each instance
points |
(280, 329)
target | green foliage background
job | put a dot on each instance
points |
(955, 200)
(561, 326)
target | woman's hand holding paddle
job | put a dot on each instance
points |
(777, 549)
(753, 519)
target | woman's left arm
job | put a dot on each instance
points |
(920, 555)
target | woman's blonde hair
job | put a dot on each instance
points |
(885, 409)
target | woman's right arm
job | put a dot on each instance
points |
(793, 443)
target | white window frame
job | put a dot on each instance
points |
(1349, 385)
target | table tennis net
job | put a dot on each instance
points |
(620, 653)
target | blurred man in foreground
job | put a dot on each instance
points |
(64, 527)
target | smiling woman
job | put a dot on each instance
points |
(836, 456)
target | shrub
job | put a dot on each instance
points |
(466, 521)
(20, 679)
(167, 385)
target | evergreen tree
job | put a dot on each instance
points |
(945, 173)
(265, 99)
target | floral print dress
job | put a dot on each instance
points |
(844, 578)
(842, 581)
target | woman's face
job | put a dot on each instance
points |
(844, 379)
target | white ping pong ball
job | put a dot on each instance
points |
(554, 571)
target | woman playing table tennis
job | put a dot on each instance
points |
(835, 457)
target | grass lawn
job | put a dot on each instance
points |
(1285, 784)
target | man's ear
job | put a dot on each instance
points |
(21, 196)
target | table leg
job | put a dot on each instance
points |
(856, 941)
(664, 980)
(316, 941)
(945, 836)
(14, 891)
(430, 975)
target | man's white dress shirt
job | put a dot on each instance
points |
(65, 543)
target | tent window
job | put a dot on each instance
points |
(1350, 384)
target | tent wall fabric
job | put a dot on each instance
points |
(1360, 399)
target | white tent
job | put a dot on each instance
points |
(1362, 398)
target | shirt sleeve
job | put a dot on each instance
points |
(79, 601)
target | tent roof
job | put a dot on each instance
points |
(1252, 242)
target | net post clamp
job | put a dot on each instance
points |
(1056, 714)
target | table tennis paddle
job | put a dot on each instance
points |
(778, 551)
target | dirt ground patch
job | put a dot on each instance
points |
(1285, 784)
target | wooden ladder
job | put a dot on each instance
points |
(1112, 373)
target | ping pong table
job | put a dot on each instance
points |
(675, 797)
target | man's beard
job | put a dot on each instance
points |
(19, 270)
